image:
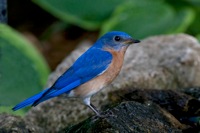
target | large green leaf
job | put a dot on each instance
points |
(148, 17)
(195, 26)
(181, 21)
(23, 71)
(88, 14)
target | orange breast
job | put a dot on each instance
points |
(93, 86)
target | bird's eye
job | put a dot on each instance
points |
(117, 38)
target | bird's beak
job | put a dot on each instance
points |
(131, 41)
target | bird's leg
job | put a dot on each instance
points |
(91, 106)
(97, 112)
(94, 109)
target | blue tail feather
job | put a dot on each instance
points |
(55, 92)
(29, 101)
(45, 95)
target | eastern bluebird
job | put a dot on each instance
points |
(92, 71)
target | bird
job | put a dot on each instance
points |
(90, 73)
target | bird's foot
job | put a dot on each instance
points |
(105, 114)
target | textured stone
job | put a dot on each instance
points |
(161, 62)
(180, 105)
(130, 117)
(15, 124)
(193, 91)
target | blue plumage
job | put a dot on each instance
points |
(29, 101)
(85, 68)
(87, 75)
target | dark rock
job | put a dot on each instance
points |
(130, 117)
(193, 91)
(15, 124)
(171, 100)
(183, 107)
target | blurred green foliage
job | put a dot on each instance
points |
(23, 71)
(8, 109)
(144, 18)
(140, 18)
(88, 14)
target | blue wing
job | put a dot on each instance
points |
(91, 64)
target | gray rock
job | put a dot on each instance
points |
(160, 62)
(15, 124)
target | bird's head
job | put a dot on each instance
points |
(115, 40)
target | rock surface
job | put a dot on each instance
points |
(193, 91)
(130, 117)
(15, 124)
(177, 103)
(161, 62)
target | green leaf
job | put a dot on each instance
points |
(88, 14)
(148, 17)
(195, 26)
(198, 37)
(8, 109)
(193, 2)
(182, 20)
(23, 71)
